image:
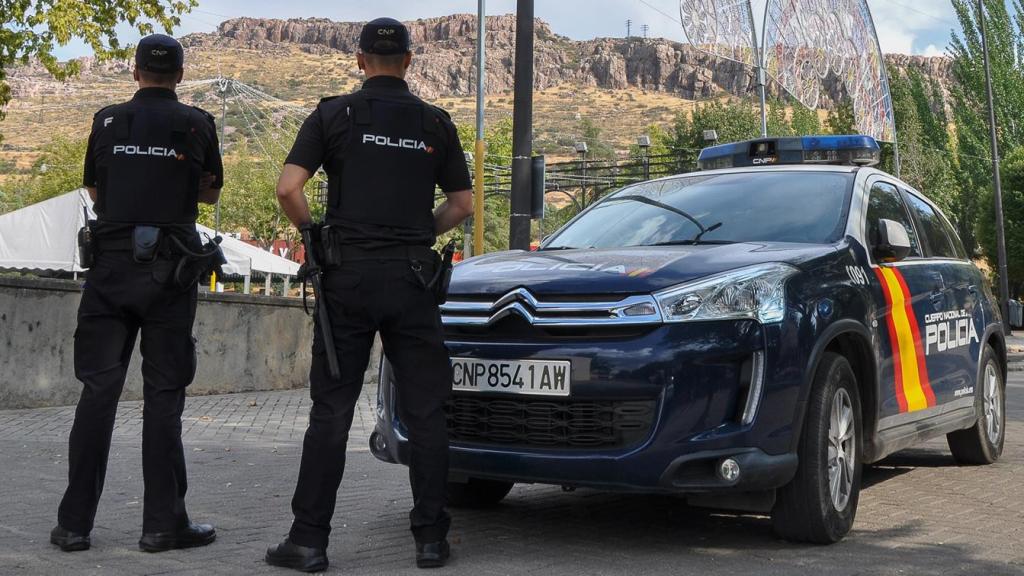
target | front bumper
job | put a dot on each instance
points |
(693, 377)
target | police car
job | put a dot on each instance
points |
(748, 335)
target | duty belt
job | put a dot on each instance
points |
(422, 253)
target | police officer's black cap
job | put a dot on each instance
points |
(159, 53)
(384, 36)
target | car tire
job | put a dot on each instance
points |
(983, 443)
(477, 493)
(816, 506)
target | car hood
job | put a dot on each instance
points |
(634, 270)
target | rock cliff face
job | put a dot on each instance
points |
(444, 50)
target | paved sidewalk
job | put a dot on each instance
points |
(919, 514)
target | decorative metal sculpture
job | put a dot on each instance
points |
(723, 28)
(804, 42)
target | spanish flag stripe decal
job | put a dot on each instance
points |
(915, 329)
(913, 390)
(897, 369)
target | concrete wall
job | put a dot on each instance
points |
(246, 343)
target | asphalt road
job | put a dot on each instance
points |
(920, 514)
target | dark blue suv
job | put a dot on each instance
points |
(748, 335)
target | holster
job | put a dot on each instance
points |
(329, 254)
(86, 246)
(146, 243)
(192, 266)
(443, 277)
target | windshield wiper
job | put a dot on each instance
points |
(704, 231)
(693, 243)
(663, 206)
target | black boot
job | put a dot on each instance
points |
(69, 541)
(302, 558)
(191, 536)
(433, 554)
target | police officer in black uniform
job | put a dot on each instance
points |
(384, 151)
(149, 162)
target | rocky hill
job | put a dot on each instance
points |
(445, 66)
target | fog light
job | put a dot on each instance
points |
(729, 470)
(642, 309)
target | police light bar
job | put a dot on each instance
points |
(844, 150)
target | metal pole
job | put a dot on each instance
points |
(1004, 283)
(223, 120)
(522, 128)
(759, 70)
(583, 178)
(478, 157)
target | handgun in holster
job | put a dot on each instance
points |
(193, 265)
(443, 276)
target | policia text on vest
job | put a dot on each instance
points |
(149, 162)
(384, 151)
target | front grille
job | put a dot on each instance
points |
(551, 311)
(548, 423)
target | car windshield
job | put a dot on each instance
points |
(777, 206)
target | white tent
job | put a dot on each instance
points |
(44, 236)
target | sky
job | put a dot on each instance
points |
(904, 26)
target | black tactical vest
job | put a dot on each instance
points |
(386, 172)
(148, 164)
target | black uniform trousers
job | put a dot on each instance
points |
(365, 297)
(122, 298)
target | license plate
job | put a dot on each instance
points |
(533, 377)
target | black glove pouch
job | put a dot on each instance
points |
(145, 244)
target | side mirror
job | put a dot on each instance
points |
(892, 243)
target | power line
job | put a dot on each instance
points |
(660, 11)
(923, 13)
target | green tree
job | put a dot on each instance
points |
(1012, 172)
(58, 170)
(732, 122)
(973, 204)
(924, 157)
(32, 29)
(841, 119)
(804, 120)
(248, 201)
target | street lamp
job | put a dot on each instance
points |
(581, 149)
(644, 142)
(711, 136)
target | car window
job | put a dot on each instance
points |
(776, 206)
(940, 245)
(954, 238)
(885, 202)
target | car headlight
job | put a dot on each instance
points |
(755, 293)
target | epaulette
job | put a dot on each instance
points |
(205, 114)
(101, 110)
(443, 112)
(328, 98)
